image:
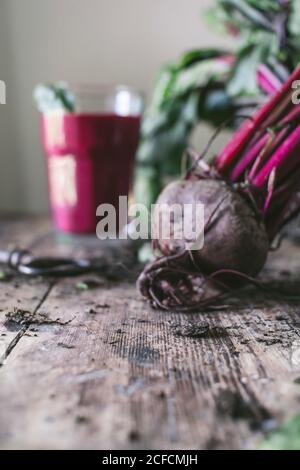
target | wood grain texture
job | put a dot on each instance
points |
(16, 293)
(98, 368)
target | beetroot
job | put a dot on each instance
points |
(233, 224)
(249, 192)
(186, 279)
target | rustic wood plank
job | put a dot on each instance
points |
(22, 230)
(21, 296)
(119, 375)
(18, 294)
(130, 375)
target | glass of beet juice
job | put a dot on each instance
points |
(90, 154)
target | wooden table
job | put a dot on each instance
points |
(86, 363)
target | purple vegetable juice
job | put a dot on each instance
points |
(90, 159)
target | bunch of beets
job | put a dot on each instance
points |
(249, 192)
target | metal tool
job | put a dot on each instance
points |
(24, 262)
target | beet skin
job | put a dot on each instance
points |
(235, 237)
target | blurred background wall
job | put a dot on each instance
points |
(105, 41)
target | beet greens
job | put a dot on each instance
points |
(211, 85)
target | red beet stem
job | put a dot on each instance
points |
(292, 116)
(249, 156)
(254, 149)
(267, 81)
(280, 132)
(271, 146)
(267, 115)
(283, 159)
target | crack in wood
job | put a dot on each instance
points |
(11, 346)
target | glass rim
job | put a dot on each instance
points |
(102, 89)
(99, 98)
